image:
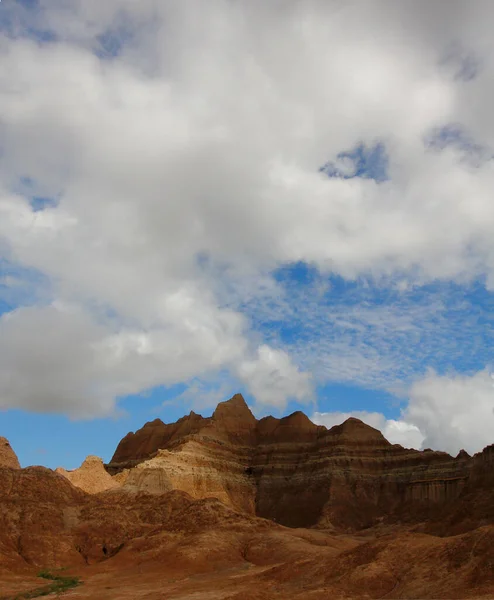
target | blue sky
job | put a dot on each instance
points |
(183, 217)
(446, 327)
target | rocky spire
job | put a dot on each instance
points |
(234, 419)
(235, 408)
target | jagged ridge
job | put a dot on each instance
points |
(291, 470)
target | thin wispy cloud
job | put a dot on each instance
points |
(374, 335)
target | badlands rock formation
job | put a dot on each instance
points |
(8, 457)
(294, 472)
(91, 476)
(127, 544)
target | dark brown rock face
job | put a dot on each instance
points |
(295, 472)
(140, 445)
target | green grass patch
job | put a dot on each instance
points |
(59, 583)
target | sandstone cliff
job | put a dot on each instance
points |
(291, 470)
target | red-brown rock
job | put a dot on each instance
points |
(159, 533)
(291, 470)
(8, 457)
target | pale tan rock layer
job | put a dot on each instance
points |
(91, 476)
(293, 471)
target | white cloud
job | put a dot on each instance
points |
(444, 412)
(254, 171)
(203, 137)
(272, 378)
(396, 432)
(47, 363)
(369, 334)
(453, 411)
(401, 432)
(59, 359)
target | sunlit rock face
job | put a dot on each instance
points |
(290, 470)
(91, 476)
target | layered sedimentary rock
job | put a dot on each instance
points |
(203, 457)
(125, 545)
(126, 541)
(291, 470)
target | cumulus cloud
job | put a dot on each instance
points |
(58, 358)
(224, 109)
(453, 411)
(396, 432)
(47, 363)
(444, 412)
(272, 378)
(169, 133)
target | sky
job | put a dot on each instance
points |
(291, 200)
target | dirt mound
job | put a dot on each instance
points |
(8, 457)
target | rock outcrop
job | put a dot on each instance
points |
(172, 546)
(159, 533)
(8, 457)
(91, 476)
(36, 505)
(290, 470)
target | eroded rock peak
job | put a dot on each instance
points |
(235, 408)
(91, 476)
(8, 457)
